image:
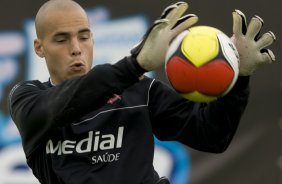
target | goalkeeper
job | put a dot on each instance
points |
(97, 125)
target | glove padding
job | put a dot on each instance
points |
(249, 43)
(150, 52)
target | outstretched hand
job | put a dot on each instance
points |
(250, 44)
(150, 52)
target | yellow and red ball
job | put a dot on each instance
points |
(202, 64)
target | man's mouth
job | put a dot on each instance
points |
(77, 67)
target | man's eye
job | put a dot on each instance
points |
(84, 37)
(60, 40)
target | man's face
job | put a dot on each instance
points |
(66, 44)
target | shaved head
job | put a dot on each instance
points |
(64, 39)
(50, 7)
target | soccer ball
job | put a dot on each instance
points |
(202, 64)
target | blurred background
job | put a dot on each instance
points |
(254, 156)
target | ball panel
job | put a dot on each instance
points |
(198, 97)
(231, 54)
(211, 79)
(174, 46)
(229, 51)
(199, 41)
(214, 78)
(180, 73)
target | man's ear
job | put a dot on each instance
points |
(38, 48)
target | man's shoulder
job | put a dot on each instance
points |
(33, 83)
(22, 85)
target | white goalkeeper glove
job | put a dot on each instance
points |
(250, 45)
(150, 52)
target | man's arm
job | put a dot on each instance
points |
(37, 110)
(207, 127)
(210, 127)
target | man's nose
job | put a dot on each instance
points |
(75, 47)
